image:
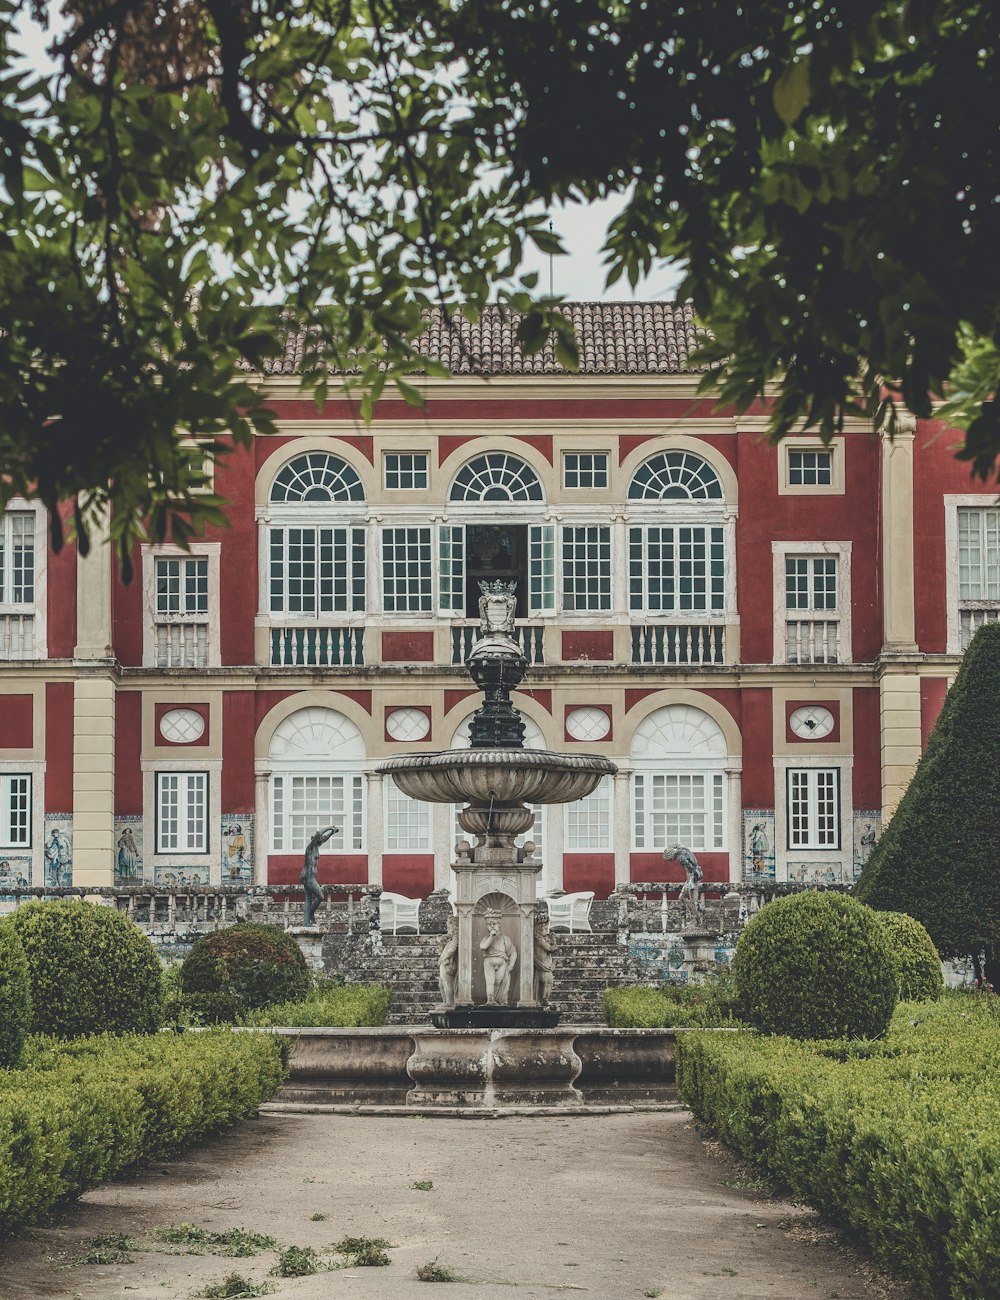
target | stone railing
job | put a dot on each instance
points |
(679, 643)
(653, 905)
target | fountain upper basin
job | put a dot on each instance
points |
(501, 775)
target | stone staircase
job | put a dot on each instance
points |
(585, 965)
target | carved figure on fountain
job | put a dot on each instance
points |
(448, 964)
(499, 959)
(544, 964)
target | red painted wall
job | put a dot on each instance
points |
(758, 748)
(238, 583)
(128, 748)
(594, 871)
(766, 516)
(599, 645)
(16, 721)
(346, 869)
(867, 777)
(60, 601)
(408, 647)
(932, 693)
(238, 728)
(126, 614)
(58, 747)
(936, 473)
(410, 874)
(650, 866)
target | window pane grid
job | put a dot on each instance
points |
(978, 554)
(679, 808)
(586, 568)
(813, 808)
(17, 558)
(406, 570)
(585, 470)
(303, 804)
(407, 823)
(15, 811)
(181, 812)
(541, 568)
(406, 470)
(182, 587)
(810, 468)
(316, 571)
(811, 583)
(588, 821)
(451, 543)
(677, 569)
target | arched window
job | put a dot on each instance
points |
(679, 782)
(497, 476)
(317, 476)
(675, 476)
(533, 739)
(316, 564)
(316, 781)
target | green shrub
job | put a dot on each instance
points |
(817, 966)
(195, 1010)
(920, 978)
(348, 1005)
(711, 1004)
(897, 1140)
(15, 997)
(257, 964)
(90, 969)
(79, 1112)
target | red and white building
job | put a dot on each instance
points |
(760, 637)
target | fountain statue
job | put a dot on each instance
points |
(495, 881)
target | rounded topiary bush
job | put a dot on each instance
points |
(817, 966)
(920, 978)
(90, 970)
(15, 997)
(257, 964)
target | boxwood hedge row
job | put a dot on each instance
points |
(899, 1140)
(78, 1112)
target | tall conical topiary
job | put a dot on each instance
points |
(939, 857)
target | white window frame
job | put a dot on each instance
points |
(807, 442)
(952, 505)
(841, 551)
(590, 572)
(414, 455)
(812, 843)
(354, 796)
(715, 821)
(152, 619)
(187, 826)
(212, 858)
(7, 780)
(594, 456)
(573, 812)
(419, 822)
(36, 609)
(355, 583)
(427, 609)
(676, 516)
(841, 858)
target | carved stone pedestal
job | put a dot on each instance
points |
(498, 1067)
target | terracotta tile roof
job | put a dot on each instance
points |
(614, 338)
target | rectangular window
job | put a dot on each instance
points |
(588, 822)
(979, 554)
(679, 808)
(585, 469)
(586, 555)
(182, 812)
(407, 822)
(315, 572)
(17, 557)
(15, 811)
(451, 568)
(180, 612)
(181, 587)
(406, 470)
(810, 468)
(812, 603)
(677, 569)
(406, 570)
(302, 805)
(811, 582)
(541, 568)
(814, 808)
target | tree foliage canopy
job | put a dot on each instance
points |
(937, 859)
(826, 175)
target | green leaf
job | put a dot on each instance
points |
(791, 90)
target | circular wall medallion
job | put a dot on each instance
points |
(182, 726)
(811, 722)
(408, 724)
(587, 723)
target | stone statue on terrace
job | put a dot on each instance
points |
(314, 894)
(693, 876)
(499, 957)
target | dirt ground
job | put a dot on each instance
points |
(613, 1206)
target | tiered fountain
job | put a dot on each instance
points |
(496, 986)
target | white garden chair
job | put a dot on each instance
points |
(397, 912)
(571, 912)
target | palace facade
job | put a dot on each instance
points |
(759, 637)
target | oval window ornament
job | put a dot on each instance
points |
(182, 726)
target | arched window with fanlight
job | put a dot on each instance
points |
(316, 757)
(496, 531)
(679, 788)
(315, 548)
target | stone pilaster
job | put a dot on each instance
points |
(897, 539)
(899, 696)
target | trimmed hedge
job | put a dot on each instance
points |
(257, 964)
(937, 858)
(77, 1113)
(817, 966)
(920, 978)
(90, 969)
(348, 1005)
(899, 1140)
(15, 998)
(711, 1004)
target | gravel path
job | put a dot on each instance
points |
(613, 1206)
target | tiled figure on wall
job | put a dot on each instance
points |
(177, 877)
(867, 829)
(237, 849)
(128, 850)
(58, 850)
(816, 873)
(15, 873)
(758, 844)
